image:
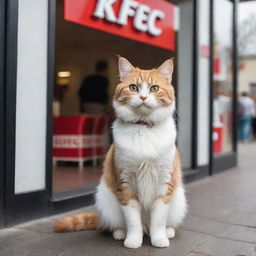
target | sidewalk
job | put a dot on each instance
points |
(221, 222)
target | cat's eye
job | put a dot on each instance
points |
(154, 88)
(133, 87)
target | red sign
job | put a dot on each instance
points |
(148, 21)
(217, 140)
(216, 66)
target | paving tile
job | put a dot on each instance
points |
(241, 218)
(197, 254)
(94, 243)
(14, 237)
(204, 225)
(241, 233)
(224, 247)
(43, 226)
(74, 212)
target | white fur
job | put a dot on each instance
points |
(166, 69)
(111, 216)
(170, 232)
(119, 234)
(159, 213)
(132, 214)
(177, 208)
(145, 155)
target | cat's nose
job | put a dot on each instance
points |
(143, 98)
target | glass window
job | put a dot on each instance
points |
(223, 77)
(82, 109)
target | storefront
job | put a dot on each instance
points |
(52, 145)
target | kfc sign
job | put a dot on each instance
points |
(148, 21)
(144, 18)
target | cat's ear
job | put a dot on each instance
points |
(166, 69)
(125, 67)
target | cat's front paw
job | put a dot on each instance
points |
(119, 234)
(170, 232)
(133, 242)
(160, 241)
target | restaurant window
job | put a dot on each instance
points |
(223, 77)
(81, 129)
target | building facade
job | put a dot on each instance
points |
(48, 163)
(247, 80)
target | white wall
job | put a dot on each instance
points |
(203, 85)
(31, 96)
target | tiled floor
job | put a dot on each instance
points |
(68, 177)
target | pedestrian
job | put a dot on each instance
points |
(93, 92)
(254, 121)
(245, 114)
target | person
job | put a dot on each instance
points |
(245, 114)
(93, 92)
(254, 121)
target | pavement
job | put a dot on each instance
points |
(221, 222)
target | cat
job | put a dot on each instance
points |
(141, 190)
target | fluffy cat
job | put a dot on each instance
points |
(141, 189)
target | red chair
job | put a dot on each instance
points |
(78, 138)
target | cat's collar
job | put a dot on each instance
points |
(145, 123)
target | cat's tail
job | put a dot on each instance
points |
(82, 221)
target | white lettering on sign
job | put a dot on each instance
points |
(77, 141)
(154, 15)
(127, 10)
(141, 19)
(144, 17)
(104, 10)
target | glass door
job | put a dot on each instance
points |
(223, 85)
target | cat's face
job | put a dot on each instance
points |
(144, 94)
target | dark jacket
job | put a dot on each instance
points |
(94, 89)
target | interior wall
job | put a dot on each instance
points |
(76, 61)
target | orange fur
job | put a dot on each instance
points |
(176, 179)
(165, 95)
(111, 176)
(82, 221)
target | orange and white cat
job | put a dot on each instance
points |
(141, 189)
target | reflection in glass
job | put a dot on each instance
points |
(223, 73)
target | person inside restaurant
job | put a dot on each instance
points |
(93, 93)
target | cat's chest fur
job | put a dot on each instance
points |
(145, 157)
